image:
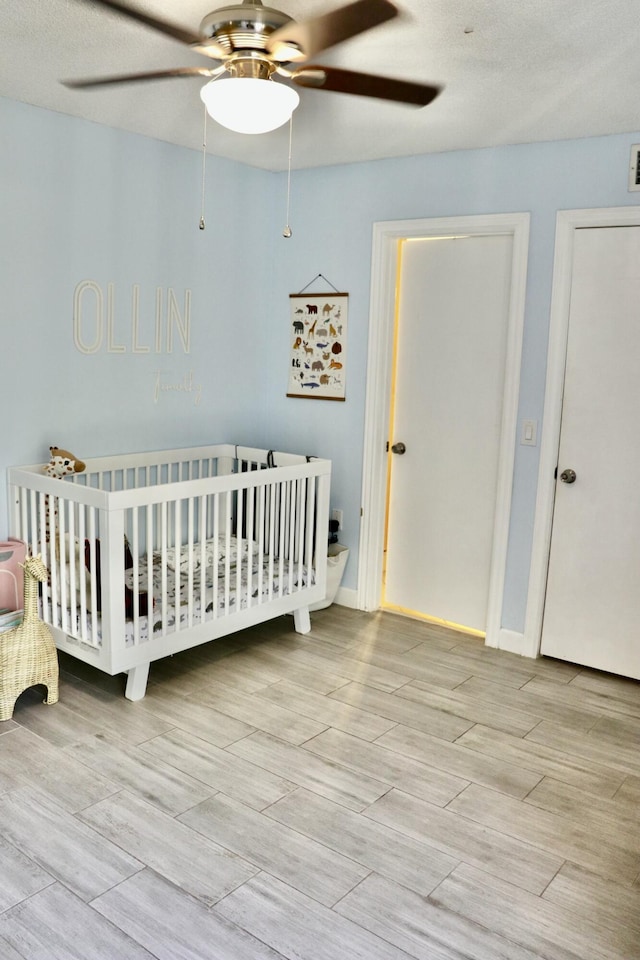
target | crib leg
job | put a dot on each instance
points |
(137, 682)
(302, 620)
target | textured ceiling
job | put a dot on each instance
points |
(514, 71)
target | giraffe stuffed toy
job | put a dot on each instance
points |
(27, 652)
(61, 464)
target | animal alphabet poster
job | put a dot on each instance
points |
(318, 327)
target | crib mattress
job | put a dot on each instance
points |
(222, 594)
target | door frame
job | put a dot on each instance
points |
(384, 278)
(567, 222)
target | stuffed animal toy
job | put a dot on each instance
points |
(62, 462)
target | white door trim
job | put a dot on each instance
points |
(386, 236)
(567, 222)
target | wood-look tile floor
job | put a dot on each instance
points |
(379, 789)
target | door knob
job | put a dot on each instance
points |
(399, 448)
(568, 476)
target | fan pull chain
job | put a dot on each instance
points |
(204, 168)
(286, 233)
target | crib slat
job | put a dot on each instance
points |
(190, 575)
(176, 540)
(135, 555)
(282, 535)
(227, 552)
(82, 579)
(163, 565)
(53, 566)
(272, 533)
(301, 515)
(250, 544)
(311, 530)
(24, 511)
(150, 562)
(45, 552)
(261, 532)
(215, 569)
(61, 562)
(72, 562)
(292, 534)
(202, 536)
(239, 560)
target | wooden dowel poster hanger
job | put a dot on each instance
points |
(317, 358)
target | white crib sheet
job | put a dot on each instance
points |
(262, 582)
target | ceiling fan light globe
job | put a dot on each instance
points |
(248, 104)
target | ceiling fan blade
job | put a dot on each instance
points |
(201, 44)
(81, 84)
(365, 85)
(299, 41)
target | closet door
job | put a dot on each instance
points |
(592, 607)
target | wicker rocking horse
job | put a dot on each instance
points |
(27, 652)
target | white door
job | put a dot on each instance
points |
(592, 606)
(451, 337)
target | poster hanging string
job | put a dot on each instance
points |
(320, 276)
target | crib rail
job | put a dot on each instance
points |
(166, 549)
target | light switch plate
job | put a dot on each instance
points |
(529, 433)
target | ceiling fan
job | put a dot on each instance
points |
(256, 44)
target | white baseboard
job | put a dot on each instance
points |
(509, 640)
(514, 642)
(346, 597)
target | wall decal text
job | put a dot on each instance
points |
(187, 386)
(104, 323)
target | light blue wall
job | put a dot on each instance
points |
(333, 213)
(79, 201)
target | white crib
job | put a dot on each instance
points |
(220, 537)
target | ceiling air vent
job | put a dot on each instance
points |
(634, 168)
